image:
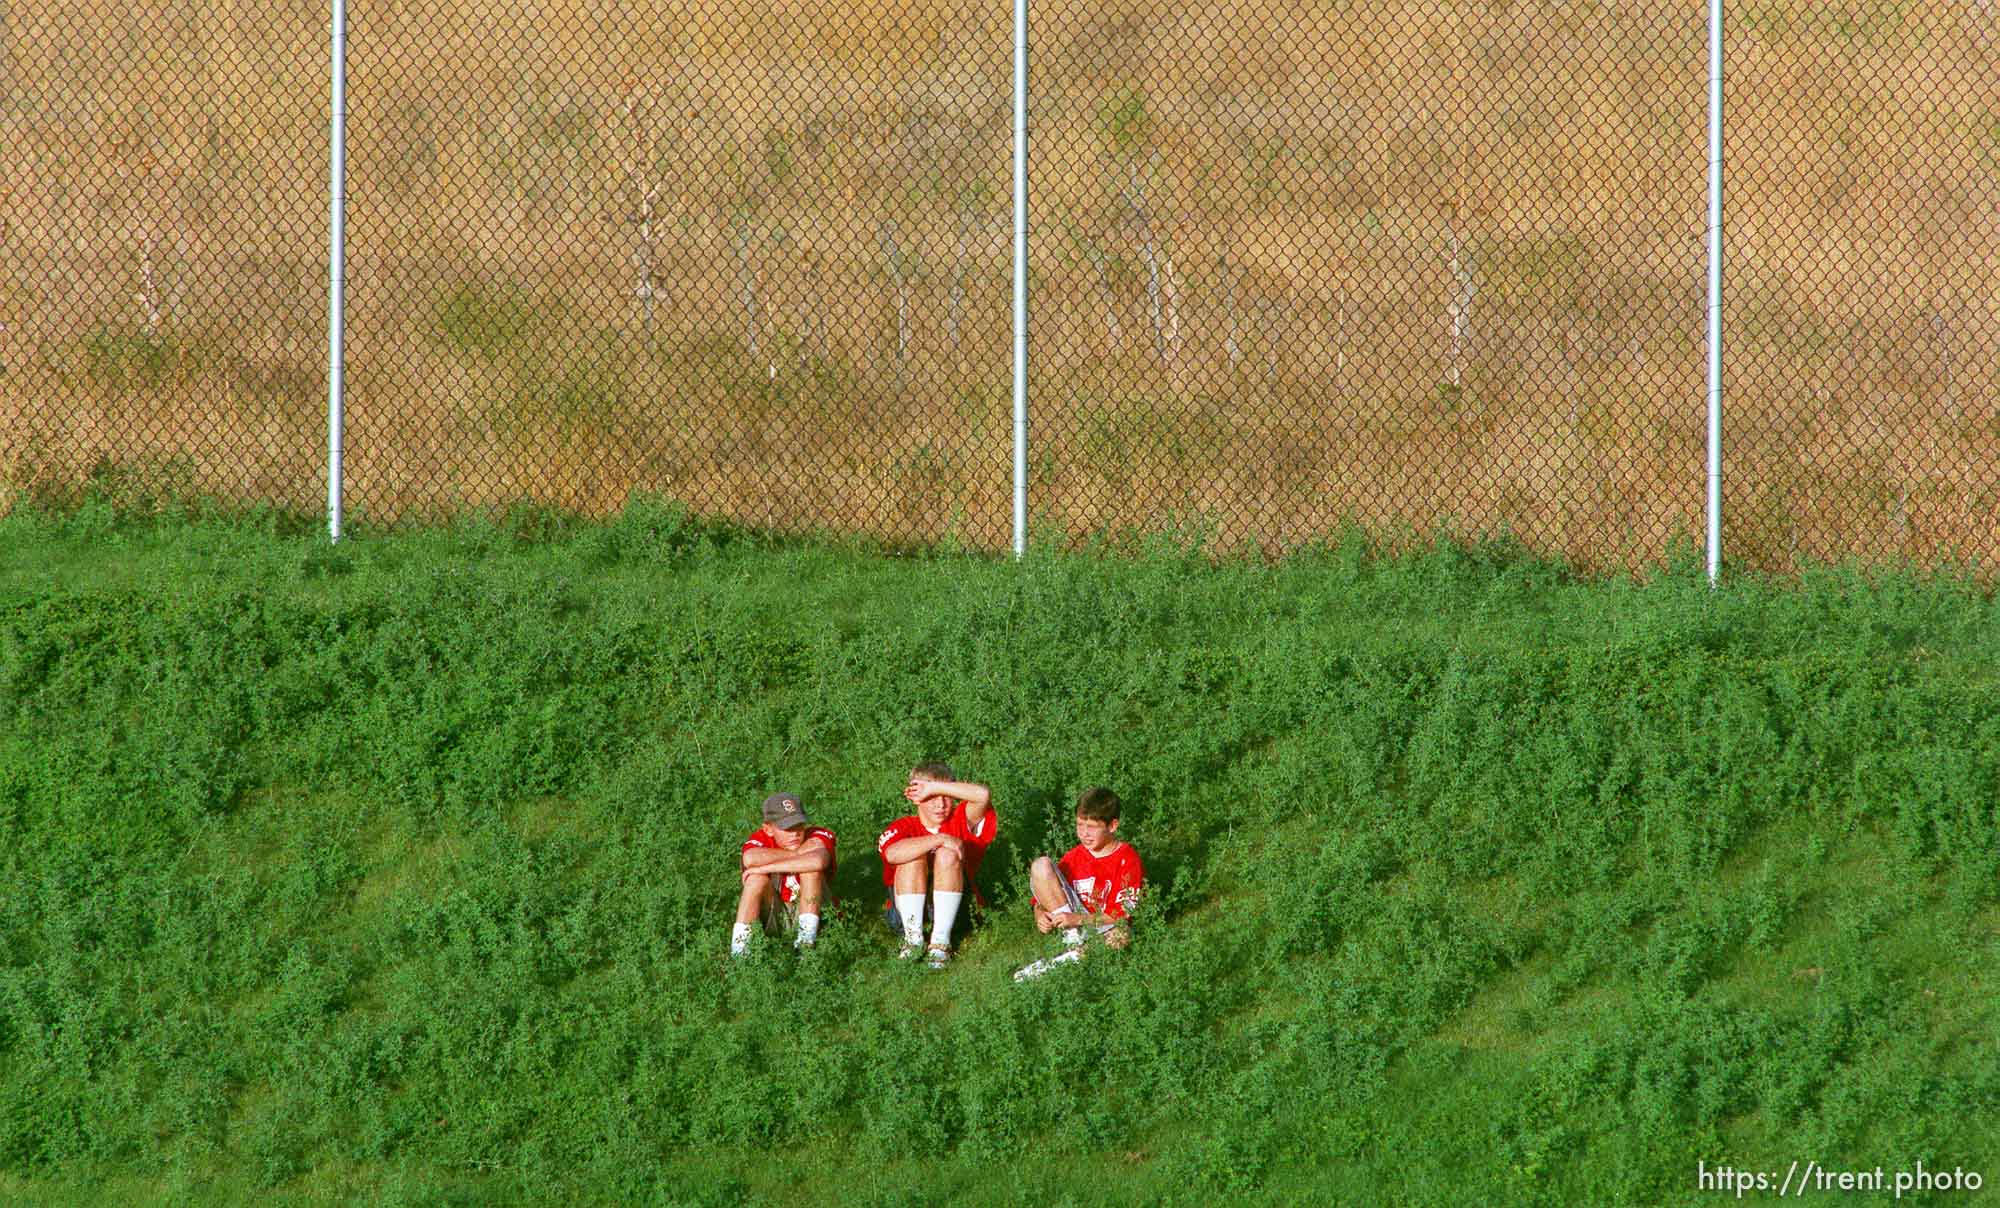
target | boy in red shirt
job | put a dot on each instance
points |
(1093, 888)
(929, 857)
(787, 869)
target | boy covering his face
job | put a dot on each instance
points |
(931, 856)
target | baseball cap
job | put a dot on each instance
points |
(783, 810)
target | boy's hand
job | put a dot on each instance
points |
(951, 843)
(1067, 919)
(922, 788)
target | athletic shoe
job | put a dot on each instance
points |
(1072, 937)
(1037, 968)
(939, 955)
(909, 951)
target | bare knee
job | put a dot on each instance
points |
(1042, 867)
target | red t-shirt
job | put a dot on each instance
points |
(1108, 884)
(976, 840)
(788, 883)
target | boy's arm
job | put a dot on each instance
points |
(902, 851)
(1064, 918)
(1058, 918)
(978, 798)
(1095, 918)
(811, 856)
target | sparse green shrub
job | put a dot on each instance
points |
(477, 322)
(122, 359)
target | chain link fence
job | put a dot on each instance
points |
(1406, 264)
(163, 247)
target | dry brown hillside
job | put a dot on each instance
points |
(1406, 262)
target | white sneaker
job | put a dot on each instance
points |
(939, 955)
(909, 951)
(1072, 937)
(1037, 968)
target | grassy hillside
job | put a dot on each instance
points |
(399, 873)
(1294, 262)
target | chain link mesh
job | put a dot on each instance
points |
(1410, 264)
(1865, 282)
(163, 230)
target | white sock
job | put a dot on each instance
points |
(739, 939)
(808, 930)
(1072, 936)
(911, 907)
(945, 908)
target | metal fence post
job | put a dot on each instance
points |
(1714, 291)
(1020, 277)
(336, 273)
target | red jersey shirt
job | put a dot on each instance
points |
(1108, 884)
(788, 883)
(976, 839)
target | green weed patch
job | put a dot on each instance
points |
(403, 872)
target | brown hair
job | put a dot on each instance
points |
(934, 771)
(1098, 804)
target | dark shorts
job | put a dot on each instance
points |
(780, 918)
(894, 918)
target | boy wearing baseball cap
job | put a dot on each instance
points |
(929, 857)
(1092, 889)
(787, 870)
